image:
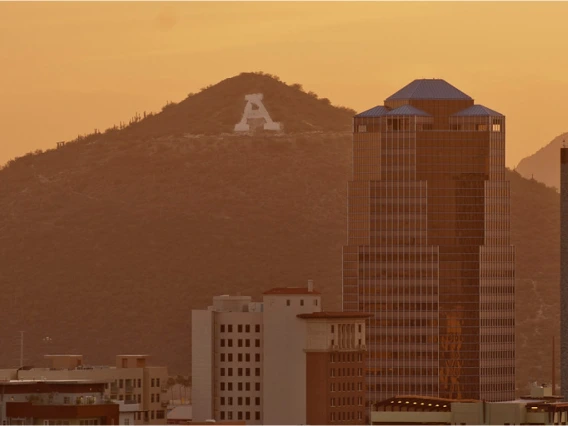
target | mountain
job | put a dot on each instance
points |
(535, 225)
(108, 242)
(216, 109)
(544, 165)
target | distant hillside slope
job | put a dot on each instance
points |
(535, 225)
(107, 243)
(106, 247)
(544, 165)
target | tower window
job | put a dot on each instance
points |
(394, 124)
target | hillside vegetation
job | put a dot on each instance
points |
(108, 242)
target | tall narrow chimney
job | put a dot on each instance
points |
(564, 273)
(310, 285)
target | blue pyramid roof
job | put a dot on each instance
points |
(429, 89)
(408, 110)
(377, 111)
(477, 110)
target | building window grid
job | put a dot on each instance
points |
(432, 357)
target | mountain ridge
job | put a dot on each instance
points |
(127, 233)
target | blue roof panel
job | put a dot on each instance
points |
(477, 110)
(429, 89)
(377, 111)
(408, 110)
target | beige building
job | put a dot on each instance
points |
(254, 361)
(227, 360)
(130, 382)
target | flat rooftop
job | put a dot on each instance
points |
(335, 315)
(132, 356)
(291, 290)
(65, 355)
(50, 381)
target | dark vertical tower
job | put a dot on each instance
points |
(564, 272)
(429, 253)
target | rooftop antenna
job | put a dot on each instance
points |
(553, 366)
(21, 348)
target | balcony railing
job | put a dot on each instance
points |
(39, 399)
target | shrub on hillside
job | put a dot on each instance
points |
(168, 105)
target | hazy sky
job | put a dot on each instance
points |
(68, 68)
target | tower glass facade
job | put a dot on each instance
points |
(429, 252)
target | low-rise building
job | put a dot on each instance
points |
(180, 415)
(56, 402)
(130, 381)
(128, 412)
(539, 408)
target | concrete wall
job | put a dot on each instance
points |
(409, 417)
(202, 364)
(8, 374)
(501, 413)
(467, 413)
(64, 361)
(284, 342)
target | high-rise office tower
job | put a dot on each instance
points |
(564, 272)
(429, 253)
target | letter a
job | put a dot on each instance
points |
(261, 112)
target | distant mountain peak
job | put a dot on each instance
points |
(544, 165)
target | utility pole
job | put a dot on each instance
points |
(21, 348)
(553, 367)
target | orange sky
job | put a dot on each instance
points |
(68, 68)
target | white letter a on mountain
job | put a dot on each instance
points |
(259, 112)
